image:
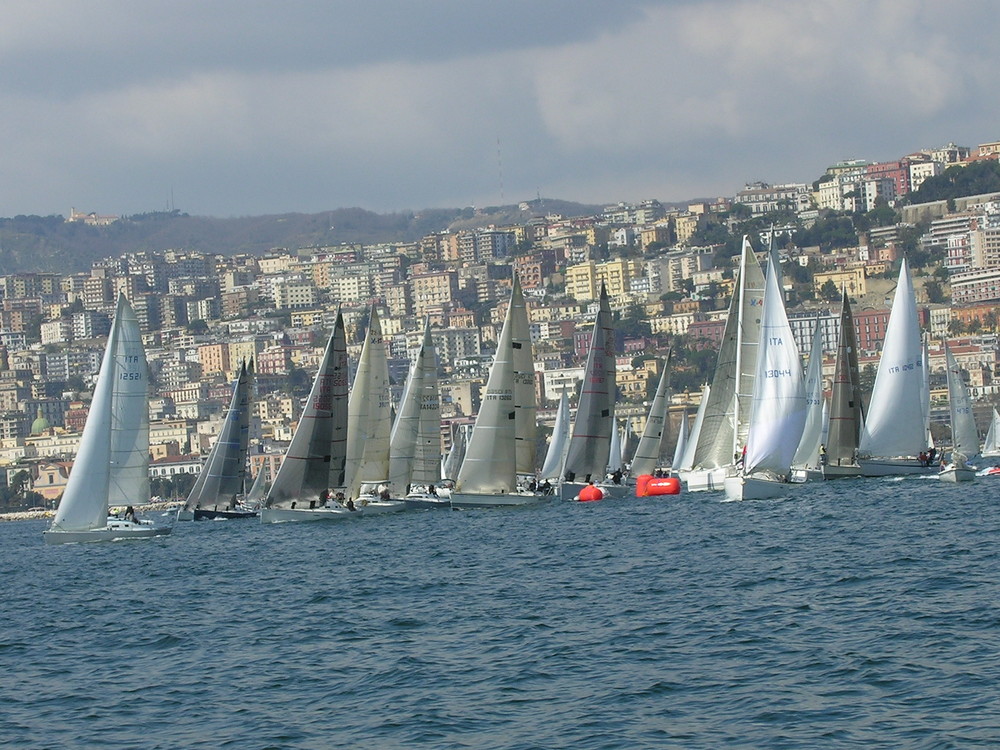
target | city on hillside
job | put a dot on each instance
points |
(669, 273)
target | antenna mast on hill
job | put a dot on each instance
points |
(500, 170)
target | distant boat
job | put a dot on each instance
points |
(555, 456)
(722, 433)
(488, 476)
(314, 461)
(896, 426)
(647, 453)
(112, 465)
(218, 491)
(778, 414)
(991, 445)
(846, 408)
(594, 427)
(806, 463)
(964, 437)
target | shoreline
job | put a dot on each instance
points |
(32, 515)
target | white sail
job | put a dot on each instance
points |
(555, 457)
(687, 458)
(112, 465)
(807, 453)
(223, 476)
(964, 437)
(490, 458)
(778, 415)
(456, 454)
(991, 446)
(314, 461)
(525, 407)
(414, 445)
(369, 417)
(590, 443)
(727, 416)
(614, 461)
(896, 423)
(647, 453)
(682, 441)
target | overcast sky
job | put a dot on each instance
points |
(234, 108)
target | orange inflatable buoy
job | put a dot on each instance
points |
(590, 493)
(654, 486)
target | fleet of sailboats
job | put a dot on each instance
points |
(761, 424)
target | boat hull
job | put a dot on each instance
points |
(114, 531)
(844, 471)
(800, 476)
(755, 488)
(957, 474)
(295, 515)
(185, 515)
(571, 490)
(704, 480)
(380, 507)
(505, 500)
(893, 467)
(426, 502)
(221, 515)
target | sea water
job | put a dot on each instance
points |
(855, 613)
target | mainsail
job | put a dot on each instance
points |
(369, 418)
(807, 454)
(647, 453)
(846, 410)
(896, 423)
(965, 438)
(555, 456)
(991, 446)
(525, 408)
(223, 476)
(590, 443)
(314, 461)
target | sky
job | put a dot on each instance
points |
(233, 108)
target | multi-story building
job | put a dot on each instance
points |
(433, 290)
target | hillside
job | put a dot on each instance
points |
(48, 243)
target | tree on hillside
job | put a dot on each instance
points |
(957, 182)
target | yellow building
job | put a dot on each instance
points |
(583, 281)
(852, 279)
(214, 359)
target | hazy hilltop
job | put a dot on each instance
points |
(49, 243)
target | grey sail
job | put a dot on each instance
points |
(846, 409)
(525, 407)
(314, 461)
(223, 476)
(590, 443)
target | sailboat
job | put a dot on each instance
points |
(112, 465)
(217, 491)
(594, 425)
(723, 431)
(846, 408)
(895, 430)
(452, 463)
(555, 456)
(683, 467)
(369, 422)
(806, 463)
(647, 453)
(415, 441)
(488, 475)
(964, 437)
(314, 461)
(778, 413)
(681, 446)
(991, 445)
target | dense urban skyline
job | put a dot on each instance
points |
(226, 110)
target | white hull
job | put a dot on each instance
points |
(704, 480)
(892, 467)
(422, 501)
(570, 490)
(114, 531)
(833, 471)
(957, 474)
(506, 500)
(755, 488)
(380, 507)
(292, 515)
(800, 476)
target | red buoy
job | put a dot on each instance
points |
(654, 486)
(590, 493)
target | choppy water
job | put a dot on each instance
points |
(857, 613)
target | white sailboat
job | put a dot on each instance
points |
(895, 430)
(778, 413)
(681, 446)
(683, 468)
(488, 476)
(415, 442)
(369, 424)
(112, 465)
(647, 453)
(555, 456)
(991, 445)
(456, 454)
(218, 491)
(846, 408)
(964, 437)
(723, 431)
(525, 403)
(314, 461)
(594, 425)
(806, 463)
